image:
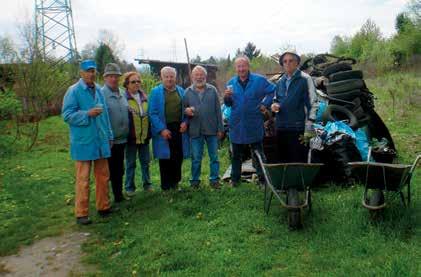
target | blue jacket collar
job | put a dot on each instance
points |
(84, 85)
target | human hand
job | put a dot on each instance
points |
(94, 112)
(183, 127)
(275, 107)
(166, 134)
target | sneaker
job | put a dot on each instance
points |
(83, 220)
(130, 193)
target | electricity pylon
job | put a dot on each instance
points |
(54, 30)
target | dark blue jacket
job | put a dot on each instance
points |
(298, 102)
(246, 120)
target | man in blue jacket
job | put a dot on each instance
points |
(85, 111)
(244, 94)
(295, 104)
(169, 141)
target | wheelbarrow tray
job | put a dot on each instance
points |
(292, 175)
(383, 176)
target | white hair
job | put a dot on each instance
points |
(199, 67)
(242, 57)
(168, 69)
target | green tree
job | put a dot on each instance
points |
(197, 59)
(251, 51)
(340, 46)
(104, 55)
(402, 22)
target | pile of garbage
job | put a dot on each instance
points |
(347, 124)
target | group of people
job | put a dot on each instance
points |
(111, 128)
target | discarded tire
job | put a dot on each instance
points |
(348, 95)
(343, 86)
(331, 110)
(336, 68)
(358, 112)
(355, 103)
(346, 75)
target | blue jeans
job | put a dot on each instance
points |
(142, 151)
(197, 145)
(236, 161)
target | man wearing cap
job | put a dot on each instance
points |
(295, 104)
(244, 94)
(119, 118)
(85, 111)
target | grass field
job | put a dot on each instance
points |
(220, 232)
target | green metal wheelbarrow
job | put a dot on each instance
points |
(294, 181)
(380, 177)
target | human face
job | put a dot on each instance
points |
(112, 81)
(199, 78)
(134, 83)
(168, 79)
(242, 68)
(290, 64)
(88, 76)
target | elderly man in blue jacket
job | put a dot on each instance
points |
(295, 104)
(244, 94)
(170, 143)
(85, 111)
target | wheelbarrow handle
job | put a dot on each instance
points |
(414, 165)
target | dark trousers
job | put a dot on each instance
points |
(116, 166)
(290, 149)
(170, 169)
(236, 161)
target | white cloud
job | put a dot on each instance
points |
(216, 27)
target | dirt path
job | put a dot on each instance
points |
(56, 256)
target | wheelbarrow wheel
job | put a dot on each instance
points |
(376, 199)
(294, 215)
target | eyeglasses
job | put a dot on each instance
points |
(135, 82)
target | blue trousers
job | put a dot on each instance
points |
(197, 146)
(142, 152)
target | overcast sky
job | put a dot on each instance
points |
(155, 29)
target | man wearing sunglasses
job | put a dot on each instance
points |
(295, 107)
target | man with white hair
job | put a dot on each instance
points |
(244, 94)
(169, 143)
(201, 104)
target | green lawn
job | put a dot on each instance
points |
(223, 232)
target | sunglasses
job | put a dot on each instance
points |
(135, 82)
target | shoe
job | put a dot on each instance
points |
(130, 193)
(195, 184)
(234, 184)
(148, 189)
(105, 213)
(83, 220)
(215, 185)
